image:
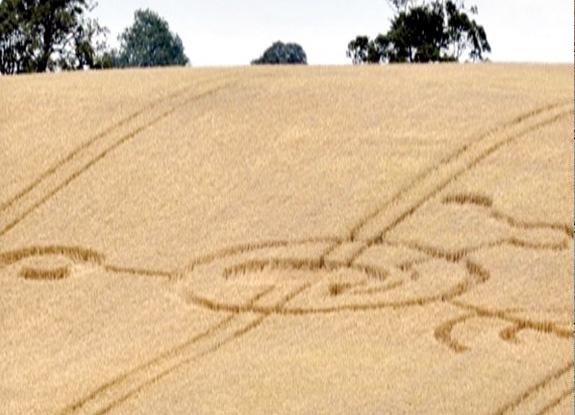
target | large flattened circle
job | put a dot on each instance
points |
(258, 280)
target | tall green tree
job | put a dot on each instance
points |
(438, 31)
(41, 35)
(282, 53)
(148, 42)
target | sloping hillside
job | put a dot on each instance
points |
(333, 240)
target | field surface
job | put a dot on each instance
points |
(354, 240)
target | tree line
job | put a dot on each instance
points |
(41, 35)
(48, 35)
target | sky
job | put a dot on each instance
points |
(232, 32)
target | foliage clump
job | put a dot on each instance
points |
(430, 32)
(148, 42)
(42, 35)
(282, 54)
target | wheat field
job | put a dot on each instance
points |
(270, 240)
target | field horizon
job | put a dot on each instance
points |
(318, 239)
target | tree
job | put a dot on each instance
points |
(434, 32)
(402, 5)
(464, 32)
(148, 42)
(363, 50)
(280, 53)
(41, 35)
(416, 36)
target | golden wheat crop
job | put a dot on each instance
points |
(367, 240)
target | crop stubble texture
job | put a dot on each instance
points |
(406, 225)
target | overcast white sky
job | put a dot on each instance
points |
(232, 32)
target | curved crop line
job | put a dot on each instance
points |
(521, 224)
(534, 389)
(377, 290)
(408, 265)
(138, 388)
(87, 145)
(74, 253)
(476, 274)
(216, 306)
(140, 271)
(509, 334)
(92, 141)
(487, 202)
(556, 402)
(548, 327)
(461, 151)
(102, 389)
(254, 246)
(336, 289)
(134, 381)
(468, 198)
(442, 183)
(442, 333)
(457, 255)
(77, 172)
(59, 273)
(258, 265)
(296, 311)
